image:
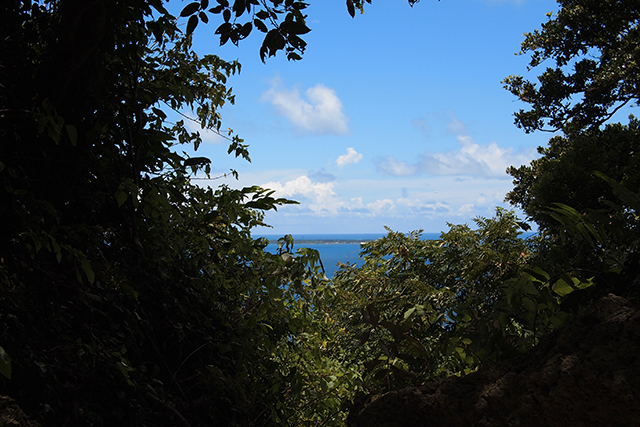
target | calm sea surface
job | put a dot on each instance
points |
(333, 248)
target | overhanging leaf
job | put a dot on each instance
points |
(192, 24)
(88, 271)
(627, 196)
(190, 9)
(197, 161)
(73, 134)
(121, 197)
(351, 8)
(562, 288)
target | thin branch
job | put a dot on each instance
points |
(216, 131)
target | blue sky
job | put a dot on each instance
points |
(395, 118)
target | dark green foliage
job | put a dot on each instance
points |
(128, 294)
(241, 16)
(579, 193)
(565, 172)
(419, 310)
(573, 191)
(593, 48)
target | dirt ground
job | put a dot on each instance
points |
(12, 416)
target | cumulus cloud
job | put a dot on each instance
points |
(352, 156)
(356, 202)
(421, 203)
(318, 112)
(471, 159)
(466, 209)
(319, 196)
(381, 206)
(300, 186)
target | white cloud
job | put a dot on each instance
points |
(466, 209)
(471, 159)
(352, 156)
(390, 166)
(366, 205)
(320, 112)
(357, 202)
(381, 206)
(319, 196)
(421, 204)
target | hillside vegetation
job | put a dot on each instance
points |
(131, 296)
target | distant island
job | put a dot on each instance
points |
(325, 241)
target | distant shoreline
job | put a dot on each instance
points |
(325, 241)
(350, 239)
(328, 241)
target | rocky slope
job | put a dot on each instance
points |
(586, 373)
(12, 416)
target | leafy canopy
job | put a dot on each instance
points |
(127, 293)
(578, 190)
(565, 172)
(592, 47)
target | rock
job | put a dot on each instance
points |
(12, 416)
(586, 373)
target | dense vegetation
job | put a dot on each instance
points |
(131, 296)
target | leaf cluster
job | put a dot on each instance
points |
(418, 310)
(565, 171)
(581, 191)
(422, 309)
(281, 22)
(129, 294)
(593, 47)
(580, 195)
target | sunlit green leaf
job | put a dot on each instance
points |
(562, 288)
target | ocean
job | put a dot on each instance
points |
(333, 248)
